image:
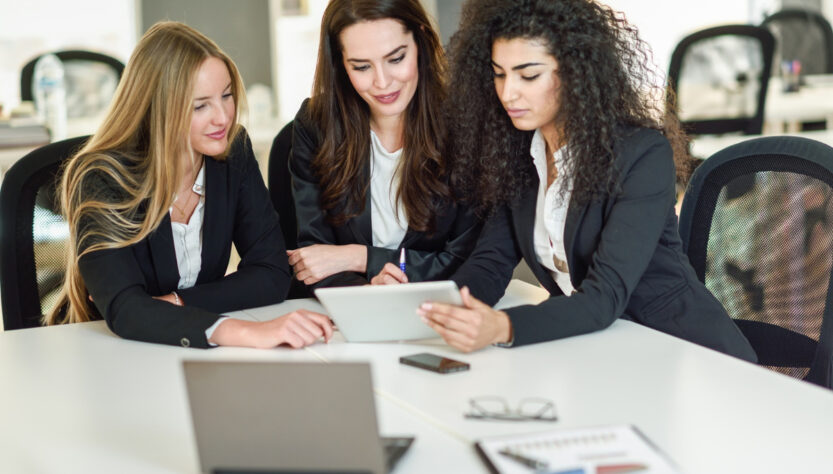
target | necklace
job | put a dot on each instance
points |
(185, 205)
(191, 191)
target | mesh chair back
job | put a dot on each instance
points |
(280, 189)
(33, 235)
(803, 35)
(720, 77)
(757, 225)
(90, 80)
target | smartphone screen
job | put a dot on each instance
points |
(434, 363)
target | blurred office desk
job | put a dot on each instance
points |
(77, 398)
(706, 145)
(813, 102)
(261, 135)
(783, 111)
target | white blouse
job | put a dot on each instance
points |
(188, 245)
(551, 214)
(188, 238)
(388, 225)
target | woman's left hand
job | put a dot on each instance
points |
(469, 327)
(316, 262)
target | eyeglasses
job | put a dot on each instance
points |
(497, 408)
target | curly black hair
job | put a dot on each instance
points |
(607, 85)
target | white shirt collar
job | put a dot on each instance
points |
(199, 183)
(538, 150)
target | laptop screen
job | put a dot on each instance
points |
(283, 417)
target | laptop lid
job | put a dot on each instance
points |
(283, 417)
(385, 312)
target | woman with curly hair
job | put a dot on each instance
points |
(368, 173)
(557, 138)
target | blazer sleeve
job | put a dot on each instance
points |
(425, 265)
(488, 269)
(312, 225)
(628, 239)
(262, 277)
(117, 286)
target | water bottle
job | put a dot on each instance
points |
(50, 95)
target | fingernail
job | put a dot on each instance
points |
(420, 312)
(425, 306)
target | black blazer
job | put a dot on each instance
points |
(429, 257)
(625, 258)
(237, 210)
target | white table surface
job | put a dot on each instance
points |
(77, 398)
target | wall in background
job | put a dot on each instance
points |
(240, 28)
(33, 27)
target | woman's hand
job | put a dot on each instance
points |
(469, 327)
(390, 275)
(296, 329)
(316, 262)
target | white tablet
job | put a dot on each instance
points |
(385, 312)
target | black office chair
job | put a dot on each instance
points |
(280, 189)
(766, 253)
(720, 77)
(90, 80)
(803, 35)
(33, 235)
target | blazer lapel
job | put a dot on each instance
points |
(575, 214)
(361, 225)
(410, 238)
(213, 209)
(161, 242)
(523, 219)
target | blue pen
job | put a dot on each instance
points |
(402, 260)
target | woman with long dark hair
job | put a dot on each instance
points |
(559, 137)
(369, 175)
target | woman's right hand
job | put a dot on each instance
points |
(316, 262)
(296, 329)
(390, 275)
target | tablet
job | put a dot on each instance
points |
(385, 312)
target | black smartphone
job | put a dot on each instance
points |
(434, 363)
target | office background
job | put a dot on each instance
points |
(275, 41)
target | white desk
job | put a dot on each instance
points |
(785, 111)
(707, 145)
(79, 399)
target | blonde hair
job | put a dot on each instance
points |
(118, 188)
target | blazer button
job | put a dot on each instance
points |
(185, 342)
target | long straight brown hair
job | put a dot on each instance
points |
(344, 118)
(136, 151)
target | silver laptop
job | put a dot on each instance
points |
(282, 417)
(385, 312)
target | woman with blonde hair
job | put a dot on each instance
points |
(157, 196)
